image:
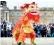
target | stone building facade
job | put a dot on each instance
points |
(46, 14)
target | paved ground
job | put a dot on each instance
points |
(38, 41)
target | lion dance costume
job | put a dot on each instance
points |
(24, 28)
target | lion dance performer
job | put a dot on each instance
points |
(23, 28)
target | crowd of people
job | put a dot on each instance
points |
(44, 30)
(6, 29)
(40, 30)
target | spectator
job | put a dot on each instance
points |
(4, 25)
(2, 33)
(4, 28)
(38, 29)
(1, 25)
(52, 31)
(48, 31)
(44, 31)
(8, 32)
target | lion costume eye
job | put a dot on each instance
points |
(32, 6)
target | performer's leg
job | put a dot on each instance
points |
(16, 37)
(32, 41)
(19, 43)
(23, 43)
(21, 39)
(33, 36)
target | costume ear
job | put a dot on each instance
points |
(25, 6)
(33, 3)
(22, 7)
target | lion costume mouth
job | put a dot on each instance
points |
(33, 12)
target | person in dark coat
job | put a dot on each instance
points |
(44, 32)
(4, 28)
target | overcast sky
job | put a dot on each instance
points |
(18, 3)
